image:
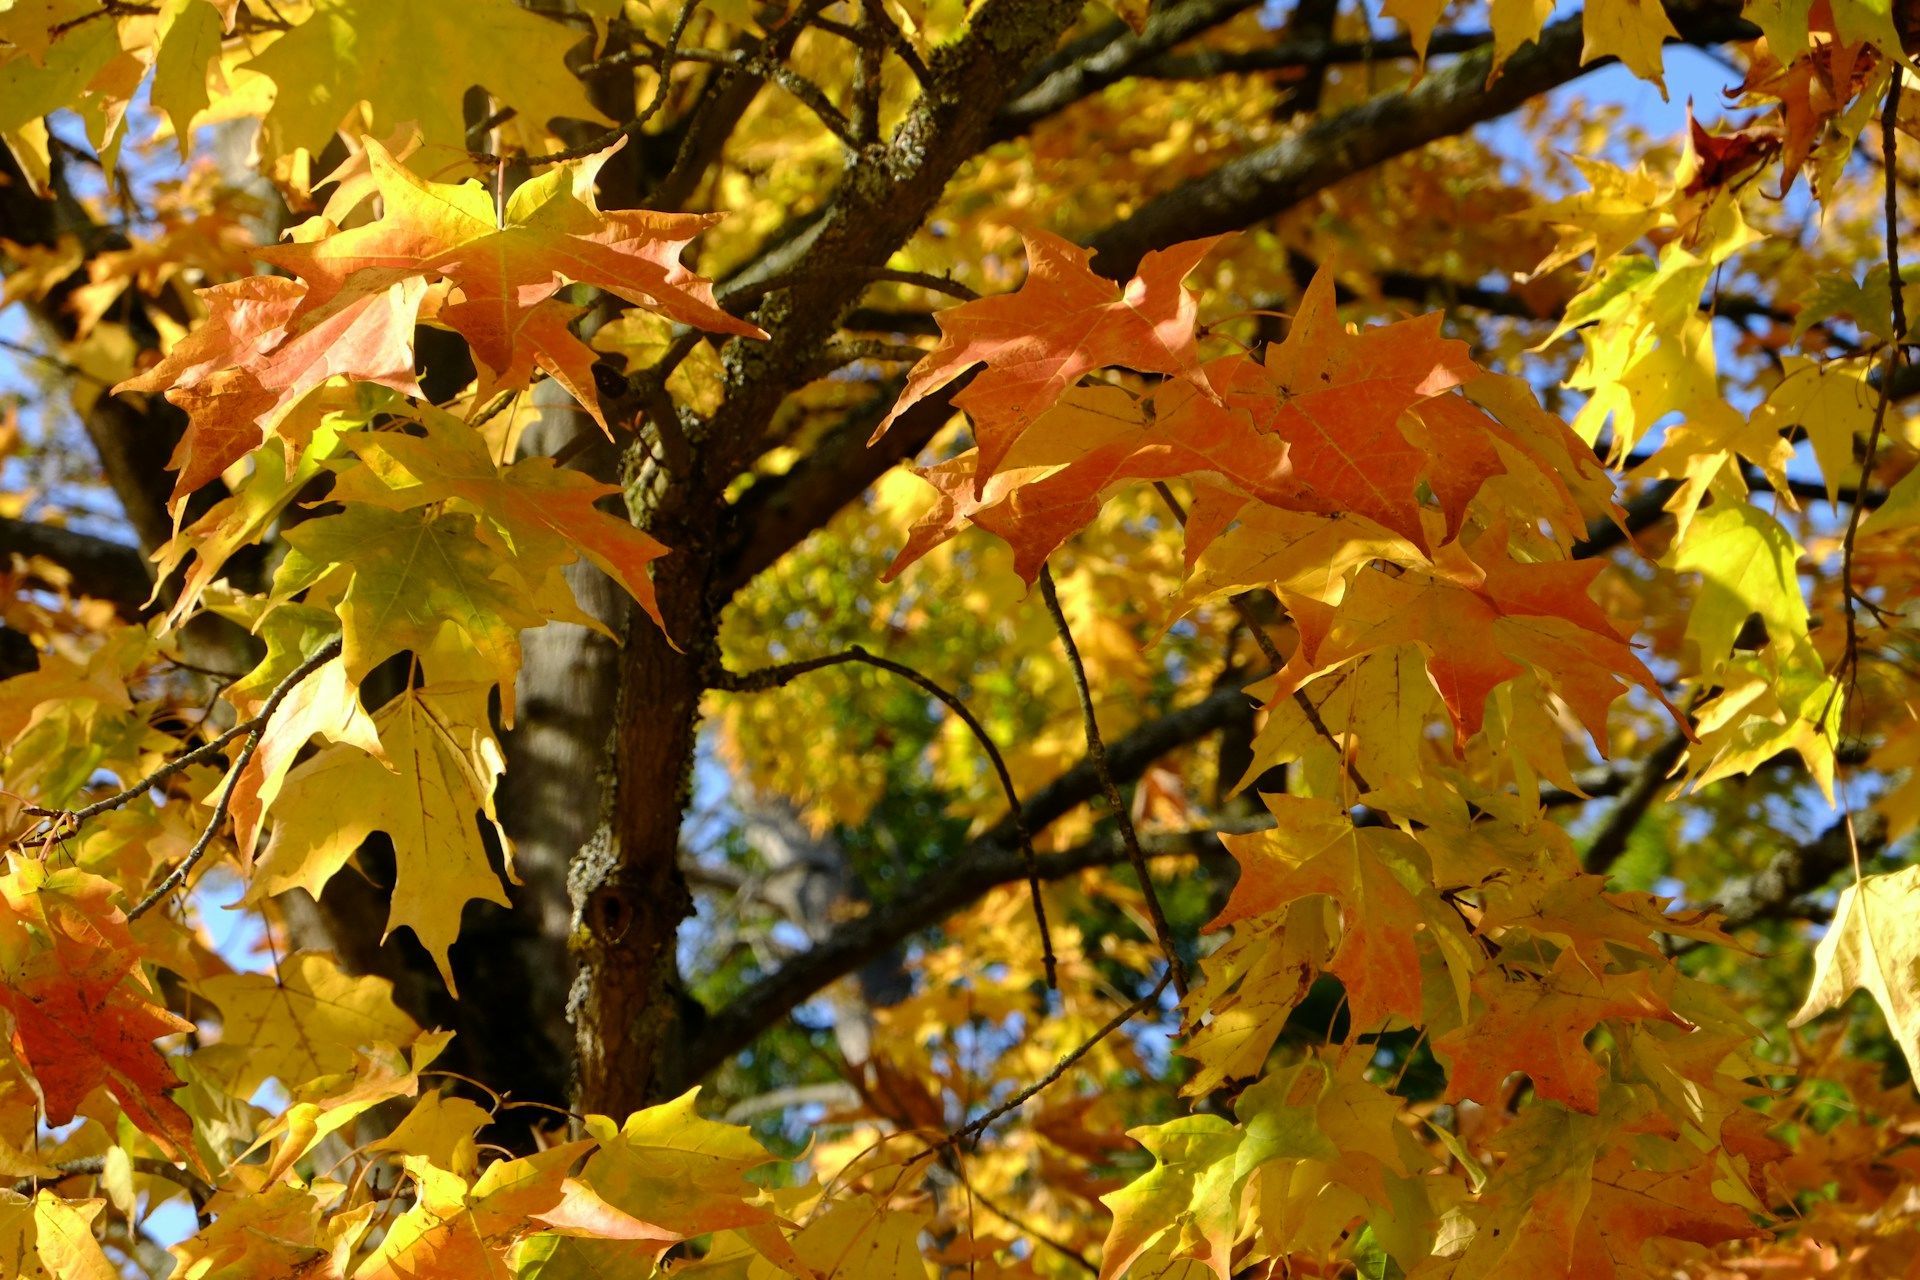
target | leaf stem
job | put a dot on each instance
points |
(668, 56)
(1889, 148)
(1242, 603)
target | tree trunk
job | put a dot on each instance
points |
(627, 892)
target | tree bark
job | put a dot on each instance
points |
(628, 895)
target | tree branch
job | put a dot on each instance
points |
(1108, 57)
(786, 673)
(1643, 512)
(1300, 55)
(993, 859)
(109, 571)
(774, 515)
(1638, 797)
(1793, 873)
(1278, 176)
(94, 1166)
(718, 110)
(882, 199)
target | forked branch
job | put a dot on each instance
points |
(785, 673)
(254, 729)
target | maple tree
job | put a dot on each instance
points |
(908, 638)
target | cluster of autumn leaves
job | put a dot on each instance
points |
(1419, 519)
(83, 1018)
(438, 551)
(1372, 480)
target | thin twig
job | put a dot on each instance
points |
(804, 91)
(975, 1127)
(1889, 134)
(675, 355)
(631, 56)
(775, 677)
(668, 56)
(111, 9)
(898, 42)
(206, 750)
(839, 354)
(1097, 751)
(740, 297)
(923, 280)
(493, 410)
(1025, 1228)
(892, 38)
(67, 367)
(255, 728)
(868, 81)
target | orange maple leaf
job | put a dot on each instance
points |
(1539, 1024)
(268, 341)
(1479, 618)
(1051, 482)
(1630, 1207)
(83, 1017)
(1063, 323)
(505, 268)
(1337, 399)
(260, 351)
(1314, 848)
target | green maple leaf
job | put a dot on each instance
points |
(400, 577)
(539, 510)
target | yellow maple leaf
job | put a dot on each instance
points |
(444, 763)
(304, 1020)
(1872, 945)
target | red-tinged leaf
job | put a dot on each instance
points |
(83, 1016)
(1064, 322)
(1539, 1024)
(504, 273)
(538, 337)
(1340, 397)
(1631, 1207)
(1213, 509)
(78, 1030)
(268, 341)
(1479, 618)
(1373, 873)
(1724, 158)
(1053, 480)
(260, 351)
